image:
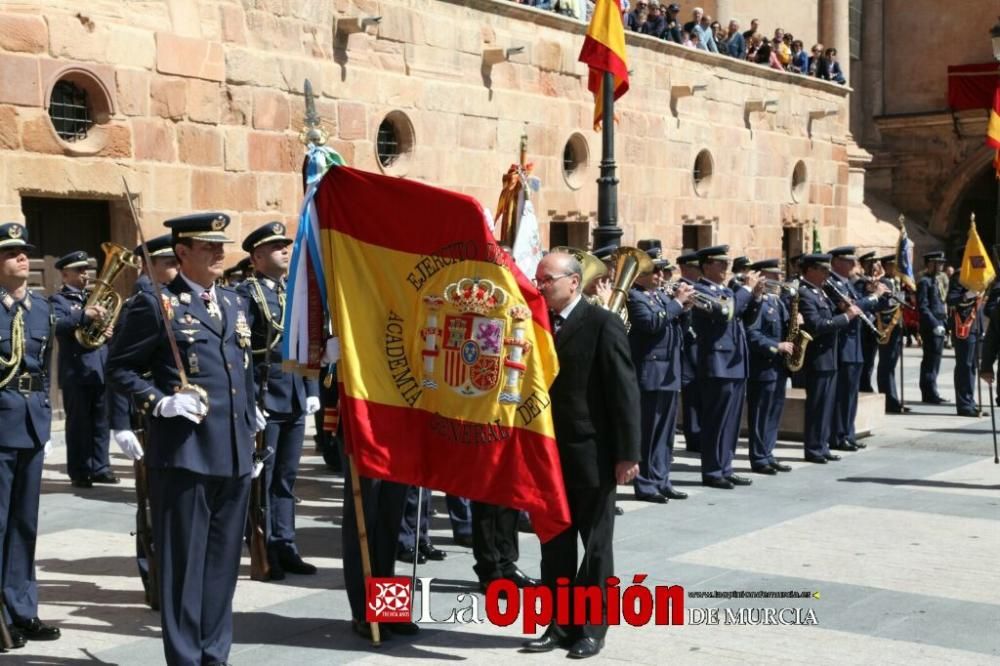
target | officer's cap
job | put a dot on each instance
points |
(741, 263)
(272, 232)
(14, 234)
(888, 259)
(867, 256)
(714, 253)
(934, 256)
(157, 247)
(208, 227)
(815, 259)
(766, 265)
(242, 267)
(604, 253)
(687, 259)
(652, 246)
(75, 259)
(844, 252)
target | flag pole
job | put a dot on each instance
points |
(607, 231)
(993, 420)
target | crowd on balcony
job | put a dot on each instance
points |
(650, 17)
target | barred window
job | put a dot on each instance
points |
(856, 14)
(69, 110)
(387, 143)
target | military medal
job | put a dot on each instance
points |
(193, 363)
(186, 298)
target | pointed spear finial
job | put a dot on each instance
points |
(901, 219)
(972, 220)
(312, 133)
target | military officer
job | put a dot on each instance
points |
(81, 377)
(865, 285)
(967, 315)
(286, 397)
(723, 365)
(933, 327)
(819, 319)
(26, 325)
(768, 375)
(414, 539)
(687, 264)
(890, 319)
(235, 274)
(655, 341)
(200, 442)
(850, 359)
(740, 267)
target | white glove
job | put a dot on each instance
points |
(331, 354)
(312, 405)
(47, 449)
(128, 443)
(939, 331)
(258, 467)
(186, 403)
(261, 416)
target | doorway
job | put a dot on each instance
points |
(791, 246)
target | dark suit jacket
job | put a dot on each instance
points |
(655, 338)
(595, 397)
(763, 336)
(932, 309)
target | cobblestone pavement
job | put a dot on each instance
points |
(900, 541)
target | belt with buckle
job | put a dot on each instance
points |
(27, 383)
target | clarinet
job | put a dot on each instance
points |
(830, 284)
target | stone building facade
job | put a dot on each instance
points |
(198, 104)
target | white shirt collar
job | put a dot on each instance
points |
(569, 308)
(197, 288)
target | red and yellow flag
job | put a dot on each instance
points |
(604, 51)
(993, 130)
(447, 353)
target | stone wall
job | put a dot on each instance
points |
(204, 103)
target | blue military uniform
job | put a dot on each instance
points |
(284, 398)
(199, 474)
(869, 343)
(820, 368)
(81, 379)
(890, 352)
(768, 378)
(850, 356)
(722, 370)
(933, 328)
(967, 316)
(26, 328)
(690, 394)
(655, 340)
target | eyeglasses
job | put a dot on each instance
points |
(549, 279)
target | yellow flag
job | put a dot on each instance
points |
(977, 271)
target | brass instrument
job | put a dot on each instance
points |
(593, 268)
(630, 263)
(116, 259)
(701, 301)
(798, 337)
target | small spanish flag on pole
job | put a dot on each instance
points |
(604, 51)
(977, 272)
(992, 131)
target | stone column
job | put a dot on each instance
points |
(835, 29)
(724, 12)
(869, 89)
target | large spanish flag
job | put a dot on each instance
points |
(604, 51)
(993, 130)
(976, 273)
(447, 353)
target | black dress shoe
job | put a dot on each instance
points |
(464, 540)
(843, 446)
(401, 628)
(831, 456)
(36, 630)
(107, 477)
(897, 410)
(721, 484)
(780, 467)
(653, 499)
(547, 642)
(432, 553)
(17, 639)
(619, 511)
(738, 480)
(814, 459)
(364, 630)
(82, 483)
(935, 400)
(974, 414)
(859, 445)
(292, 562)
(670, 493)
(586, 647)
(764, 469)
(521, 579)
(407, 555)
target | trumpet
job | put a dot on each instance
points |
(699, 300)
(777, 287)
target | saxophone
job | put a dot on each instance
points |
(885, 328)
(799, 338)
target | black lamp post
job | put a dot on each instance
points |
(995, 35)
(607, 231)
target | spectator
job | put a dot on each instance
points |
(693, 40)
(654, 23)
(753, 45)
(828, 67)
(717, 34)
(754, 24)
(800, 61)
(817, 55)
(736, 45)
(637, 16)
(706, 38)
(780, 49)
(695, 21)
(672, 26)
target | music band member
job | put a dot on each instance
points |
(890, 324)
(288, 397)
(595, 409)
(967, 317)
(933, 327)
(820, 369)
(81, 377)
(865, 284)
(200, 441)
(687, 264)
(26, 324)
(769, 350)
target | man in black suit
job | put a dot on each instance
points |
(595, 408)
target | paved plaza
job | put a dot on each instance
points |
(901, 542)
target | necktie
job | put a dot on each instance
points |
(557, 320)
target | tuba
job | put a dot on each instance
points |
(630, 263)
(116, 259)
(799, 338)
(593, 267)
